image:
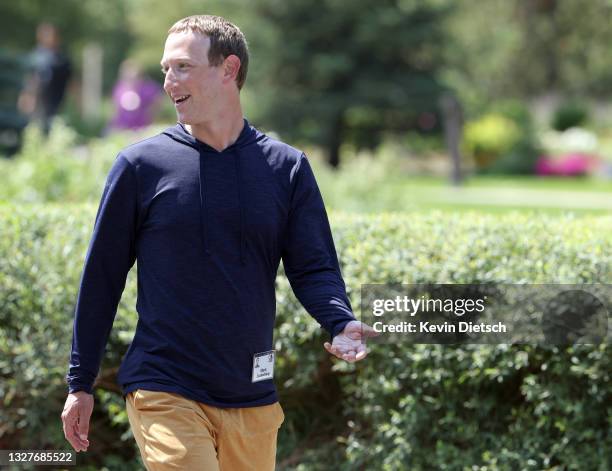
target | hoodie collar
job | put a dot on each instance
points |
(247, 136)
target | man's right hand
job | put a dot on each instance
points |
(75, 417)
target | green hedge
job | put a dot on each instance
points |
(404, 407)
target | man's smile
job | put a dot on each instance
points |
(180, 99)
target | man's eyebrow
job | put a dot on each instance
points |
(176, 59)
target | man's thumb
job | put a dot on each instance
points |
(367, 331)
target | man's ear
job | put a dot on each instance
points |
(231, 66)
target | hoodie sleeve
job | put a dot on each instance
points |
(309, 255)
(110, 256)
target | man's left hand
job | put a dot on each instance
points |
(349, 345)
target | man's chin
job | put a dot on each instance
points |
(189, 120)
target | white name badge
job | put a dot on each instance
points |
(263, 366)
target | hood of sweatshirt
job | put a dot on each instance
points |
(248, 136)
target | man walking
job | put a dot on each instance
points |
(209, 208)
(46, 88)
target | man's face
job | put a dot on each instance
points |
(191, 82)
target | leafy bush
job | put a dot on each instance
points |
(573, 140)
(569, 115)
(405, 407)
(58, 169)
(522, 157)
(489, 137)
(503, 141)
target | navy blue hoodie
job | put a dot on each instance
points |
(208, 230)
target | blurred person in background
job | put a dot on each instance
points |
(46, 87)
(209, 207)
(135, 98)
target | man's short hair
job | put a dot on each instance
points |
(225, 39)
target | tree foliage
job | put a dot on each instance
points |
(331, 72)
(337, 72)
(522, 48)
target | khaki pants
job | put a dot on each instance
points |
(173, 432)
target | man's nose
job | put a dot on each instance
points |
(169, 80)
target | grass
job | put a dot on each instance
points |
(512, 194)
(544, 183)
(373, 188)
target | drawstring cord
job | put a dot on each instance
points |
(240, 204)
(203, 203)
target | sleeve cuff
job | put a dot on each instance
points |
(73, 388)
(339, 327)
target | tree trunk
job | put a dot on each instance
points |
(335, 140)
(453, 130)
